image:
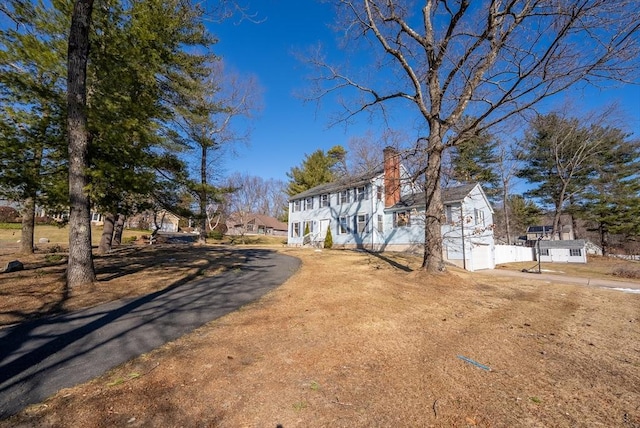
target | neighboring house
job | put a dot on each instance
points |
(255, 224)
(546, 232)
(568, 251)
(384, 211)
(166, 220)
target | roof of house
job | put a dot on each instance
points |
(339, 185)
(269, 222)
(449, 195)
(574, 243)
(260, 219)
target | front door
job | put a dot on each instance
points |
(324, 226)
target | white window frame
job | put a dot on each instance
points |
(402, 219)
(295, 230)
(448, 209)
(361, 193)
(344, 196)
(379, 193)
(380, 223)
(343, 225)
(575, 252)
(544, 251)
(478, 215)
(304, 226)
(296, 206)
(325, 200)
(362, 223)
(308, 203)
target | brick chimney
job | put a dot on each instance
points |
(391, 177)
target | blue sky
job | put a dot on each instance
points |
(287, 128)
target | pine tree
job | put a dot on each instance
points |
(316, 169)
(611, 201)
(474, 160)
(328, 239)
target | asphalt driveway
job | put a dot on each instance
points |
(41, 357)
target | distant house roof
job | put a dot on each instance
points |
(574, 243)
(339, 185)
(449, 196)
(259, 219)
(269, 222)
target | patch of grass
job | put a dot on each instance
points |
(11, 226)
(300, 405)
(536, 400)
(315, 386)
(53, 258)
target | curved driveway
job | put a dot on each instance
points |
(41, 357)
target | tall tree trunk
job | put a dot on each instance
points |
(505, 208)
(603, 240)
(119, 227)
(107, 233)
(80, 268)
(203, 196)
(432, 256)
(28, 225)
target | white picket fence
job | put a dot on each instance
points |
(513, 253)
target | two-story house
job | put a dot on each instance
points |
(384, 211)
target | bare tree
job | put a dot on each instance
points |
(490, 60)
(80, 269)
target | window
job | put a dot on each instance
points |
(361, 223)
(478, 216)
(295, 230)
(401, 219)
(575, 252)
(296, 205)
(448, 209)
(544, 251)
(324, 200)
(308, 224)
(308, 204)
(345, 197)
(343, 225)
(380, 223)
(361, 193)
(379, 192)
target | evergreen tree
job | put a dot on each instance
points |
(317, 168)
(328, 239)
(611, 201)
(32, 111)
(474, 160)
(558, 155)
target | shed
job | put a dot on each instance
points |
(568, 251)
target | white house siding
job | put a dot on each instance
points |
(476, 218)
(370, 207)
(478, 233)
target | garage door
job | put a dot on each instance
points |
(482, 257)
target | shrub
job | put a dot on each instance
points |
(9, 215)
(216, 234)
(306, 229)
(328, 239)
(626, 272)
(130, 239)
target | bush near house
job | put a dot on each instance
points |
(9, 215)
(328, 239)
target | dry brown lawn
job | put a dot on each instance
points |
(358, 340)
